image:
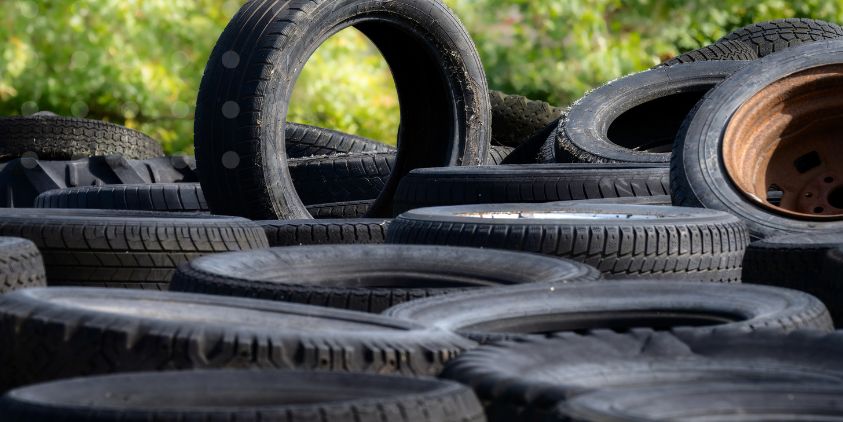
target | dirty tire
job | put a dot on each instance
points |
(51, 137)
(368, 278)
(267, 395)
(341, 177)
(635, 119)
(497, 154)
(23, 179)
(801, 262)
(769, 37)
(699, 177)
(114, 248)
(734, 401)
(519, 312)
(526, 380)
(516, 118)
(175, 197)
(536, 183)
(441, 85)
(351, 209)
(53, 333)
(306, 141)
(325, 232)
(21, 265)
(622, 241)
(722, 50)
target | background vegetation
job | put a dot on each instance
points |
(139, 62)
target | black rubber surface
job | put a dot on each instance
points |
(515, 118)
(22, 180)
(519, 312)
(50, 137)
(56, 333)
(498, 154)
(635, 119)
(341, 177)
(325, 232)
(305, 141)
(698, 175)
(722, 50)
(175, 197)
(112, 248)
(21, 265)
(267, 395)
(526, 380)
(351, 209)
(622, 241)
(240, 126)
(769, 37)
(736, 401)
(369, 278)
(528, 184)
(538, 149)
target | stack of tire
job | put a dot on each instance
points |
(667, 248)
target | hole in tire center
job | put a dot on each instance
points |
(653, 126)
(835, 198)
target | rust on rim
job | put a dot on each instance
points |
(784, 147)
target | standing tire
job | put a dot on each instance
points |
(739, 151)
(245, 91)
(635, 119)
(622, 241)
(769, 37)
(21, 265)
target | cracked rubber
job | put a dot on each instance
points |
(515, 118)
(21, 265)
(368, 278)
(325, 232)
(52, 137)
(769, 37)
(174, 197)
(136, 249)
(53, 333)
(240, 395)
(526, 380)
(240, 124)
(528, 184)
(304, 141)
(721, 50)
(622, 241)
(520, 312)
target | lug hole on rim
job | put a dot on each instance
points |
(829, 180)
(819, 210)
(809, 195)
(835, 198)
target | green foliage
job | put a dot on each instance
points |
(139, 62)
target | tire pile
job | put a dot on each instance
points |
(670, 247)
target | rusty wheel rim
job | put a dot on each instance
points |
(783, 147)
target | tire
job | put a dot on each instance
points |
(51, 137)
(525, 381)
(325, 232)
(173, 197)
(635, 119)
(621, 241)
(267, 395)
(535, 149)
(497, 154)
(442, 89)
(22, 180)
(137, 249)
(341, 177)
(306, 141)
(661, 200)
(799, 262)
(722, 50)
(351, 209)
(368, 278)
(21, 265)
(516, 118)
(55, 333)
(735, 401)
(520, 312)
(528, 184)
(769, 37)
(699, 177)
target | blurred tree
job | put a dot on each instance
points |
(139, 62)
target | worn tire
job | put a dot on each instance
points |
(525, 381)
(722, 50)
(519, 312)
(267, 395)
(368, 278)
(22, 180)
(113, 248)
(622, 241)
(304, 141)
(175, 197)
(51, 137)
(442, 90)
(769, 37)
(498, 154)
(635, 119)
(515, 118)
(528, 184)
(325, 232)
(534, 150)
(21, 265)
(341, 177)
(54, 333)
(351, 209)
(698, 174)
